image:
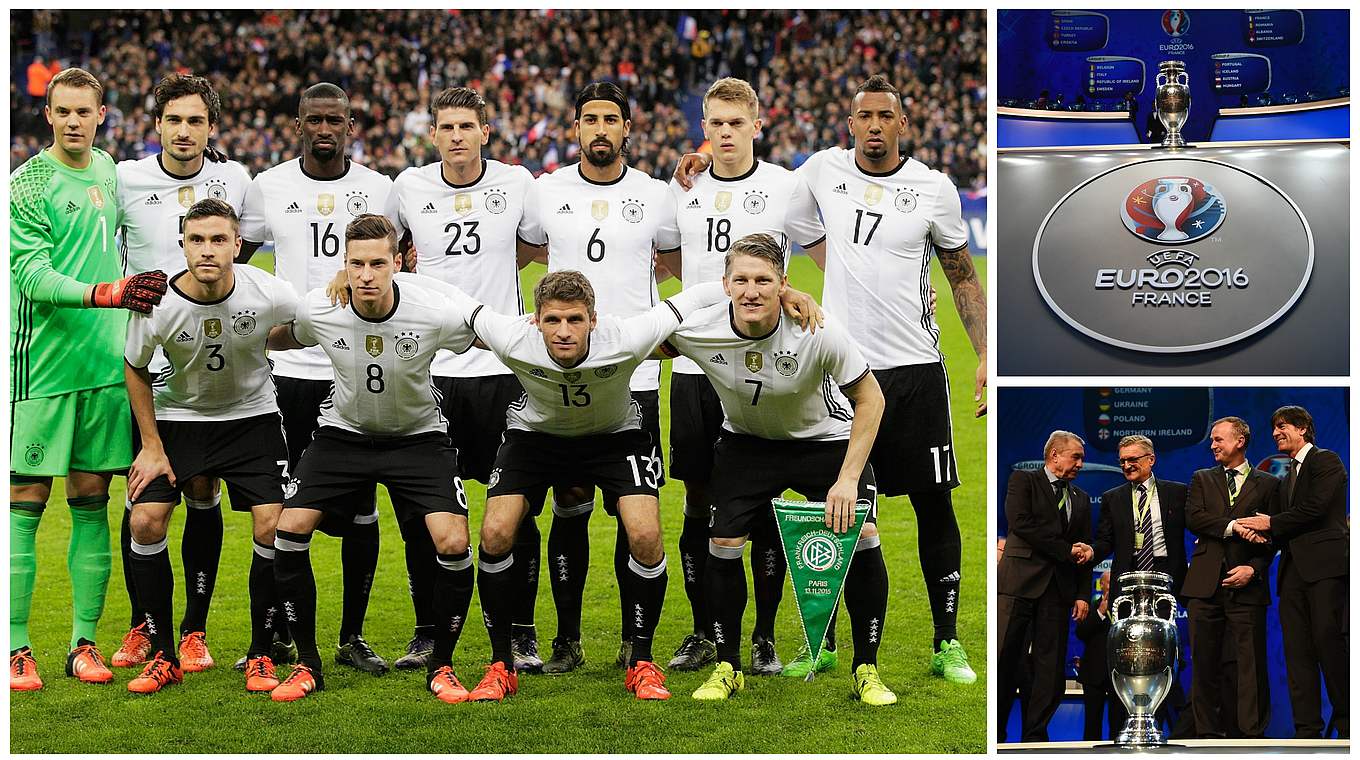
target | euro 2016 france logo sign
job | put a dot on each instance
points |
(1173, 210)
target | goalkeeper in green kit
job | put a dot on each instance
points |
(69, 413)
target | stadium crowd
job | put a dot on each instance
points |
(528, 65)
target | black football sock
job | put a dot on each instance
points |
(358, 563)
(264, 600)
(527, 550)
(767, 581)
(155, 591)
(725, 582)
(621, 556)
(125, 539)
(693, 560)
(452, 594)
(495, 588)
(568, 560)
(647, 590)
(940, 547)
(201, 551)
(297, 592)
(866, 599)
(421, 568)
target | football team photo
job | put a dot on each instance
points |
(556, 381)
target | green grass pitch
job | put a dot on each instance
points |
(587, 711)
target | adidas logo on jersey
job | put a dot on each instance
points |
(71, 208)
(694, 204)
(154, 200)
(538, 373)
(566, 209)
(293, 208)
(840, 189)
(429, 209)
(340, 344)
(718, 359)
(183, 337)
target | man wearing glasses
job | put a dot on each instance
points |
(1142, 521)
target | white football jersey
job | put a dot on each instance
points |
(465, 235)
(609, 233)
(593, 396)
(784, 386)
(882, 231)
(154, 202)
(306, 219)
(217, 364)
(382, 367)
(718, 211)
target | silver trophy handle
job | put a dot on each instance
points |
(1171, 602)
(1115, 617)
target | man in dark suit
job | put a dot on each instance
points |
(1044, 573)
(1143, 520)
(1314, 576)
(1094, 673)
(1226, 585)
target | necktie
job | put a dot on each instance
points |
(1232, 486)
(1061, 485)
(1291, 480)
(1145, 557)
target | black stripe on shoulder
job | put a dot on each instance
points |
(939, 250)
(675, 311)
(668, 250)
(818, 241)
(472, 320)
(857, 380)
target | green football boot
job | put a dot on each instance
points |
(951, 662)
(802, 664)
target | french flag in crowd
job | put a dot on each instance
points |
(687, 29)
(538, 129)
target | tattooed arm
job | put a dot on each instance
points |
(971, 304)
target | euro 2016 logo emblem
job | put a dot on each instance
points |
(1173, 210)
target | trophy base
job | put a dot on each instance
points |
(1140, 732)
(1178, 143)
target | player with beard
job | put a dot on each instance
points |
(155, 194)
(604, 219)
(886, 217)
(303, 205)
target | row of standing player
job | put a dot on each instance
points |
(299, 198)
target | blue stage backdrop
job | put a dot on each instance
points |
(1177, 420)
(1233, 57)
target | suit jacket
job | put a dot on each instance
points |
(1038, 549)
(1312, 529)
(1207, 514)
(1115, 530)
(1093, 631)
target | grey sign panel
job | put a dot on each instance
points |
(1216, 261)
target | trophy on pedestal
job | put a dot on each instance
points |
(1172, 101)
(1142, 650)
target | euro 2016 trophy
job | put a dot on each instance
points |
(1142, 650)
(1172, 101)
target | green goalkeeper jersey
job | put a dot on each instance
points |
(61, 241)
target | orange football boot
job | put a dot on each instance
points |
(497, 684)
(646, 681)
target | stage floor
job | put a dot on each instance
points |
(1213, 746)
